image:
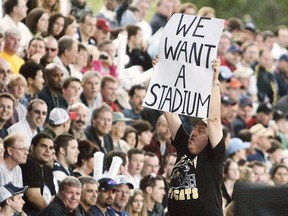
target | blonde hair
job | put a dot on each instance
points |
(128, 207)
(15, 79)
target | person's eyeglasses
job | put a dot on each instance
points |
(38, 112)
(24, 149)
(2, 71)
(50, 49)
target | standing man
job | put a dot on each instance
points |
(197, 174)
(41, 186)
(67, 199)
(89, 194)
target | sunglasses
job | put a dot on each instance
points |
(50, 49)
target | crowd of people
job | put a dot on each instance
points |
(72, 83)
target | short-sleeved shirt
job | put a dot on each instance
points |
(196, 179)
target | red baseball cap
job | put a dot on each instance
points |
(103, 24)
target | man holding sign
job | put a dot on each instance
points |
(186, 47)
(197, 174)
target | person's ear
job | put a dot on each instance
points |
(149, 189)
(62, 151)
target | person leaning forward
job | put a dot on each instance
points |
(197, 173)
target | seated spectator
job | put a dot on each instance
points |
(281, 120)
(71, 90)
(11, 199)
(37, 22)
(87, 24)
(63, 203)
(16, 151)
(11, 46)
(264, 115)
(105, 64)
(281, 73)
(79, 7)
(7, 102)
(143, 129)
(107, 13)
(260, 172)
(56, 24)
(130, 136)
(98, 132)
(70, 26)
(122, 195)
(151, 164)
(163, 12)
(66, 149)
(137, 53)
(237, 150)
(33, 122)
(59, 122)
(91, 96)
(12, 19)
(35, 51)
(41, 186)
(51, 47)
(160, 143)
(135, 165)
(153, 188)
(232, 57)
(102, 31)
(17, 87)
(170, 160)
(33, 74)
(78, 124)
(117, 132)
(266, 82)
(275, 154)
(50, 7)
(85, 160)
(231, 175)
(109, 86)
(80, 62)
(136, 204)
(5, 74)
(51, 92)
(106, 196)
(224, 42)
(136, 97)
(89, 194)
(279, 175)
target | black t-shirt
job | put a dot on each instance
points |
(36, 176)
(195, 181)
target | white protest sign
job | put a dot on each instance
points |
(182, 79)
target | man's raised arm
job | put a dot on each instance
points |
(214, 120)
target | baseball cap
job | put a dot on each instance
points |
(103, 24)
(250, 26)
(59, 116)
(122, 98)
(234, 48)
(107, 184)
(122, 180)
(261, 131)
(243, 72)
(225, 73)
(9, 190)
(245, 101)
(283, 57)
(235, 83)
(266, 108)
(236, 144)
(278, 114)
(118, 116)
(226, 100)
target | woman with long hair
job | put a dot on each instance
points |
(136, 205)
(37, 22)
(56, 25)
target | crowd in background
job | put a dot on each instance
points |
(72, 83)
